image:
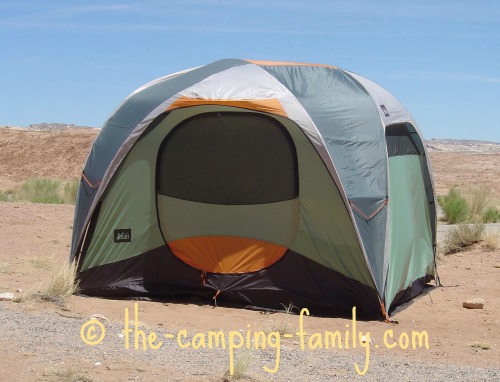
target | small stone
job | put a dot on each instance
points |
(6, 296)
(99, 317)
(98, 364)
(475, 303)
(19, 290)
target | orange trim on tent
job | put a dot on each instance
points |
(271, 105)
(285, 63)
(226, 254)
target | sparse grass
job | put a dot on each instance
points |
(454, 206)
(9, 268)
(491, 215)
(61, 285)
(40, 262)
(3, 267)
(481, 345)
(7, 196)
(64, 375)
(44, 190)
(242, 361)
(462, 236)
(71, 190)
(492, 240)
(283, 326)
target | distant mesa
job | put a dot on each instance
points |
(48, 127)
(462, 145)
(55, 126)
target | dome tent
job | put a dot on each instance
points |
(261, 183)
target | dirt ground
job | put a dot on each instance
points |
(466, 169)
(34, 242)
(59, 154)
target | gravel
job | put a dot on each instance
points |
(54, 338)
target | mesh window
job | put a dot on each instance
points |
(400, 142)
(228, 158)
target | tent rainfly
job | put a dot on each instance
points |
(262, 184)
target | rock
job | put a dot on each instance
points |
(99, 317)
(6, 296)
(19, 290)
(475, 303)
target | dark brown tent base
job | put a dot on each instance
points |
(159, 274)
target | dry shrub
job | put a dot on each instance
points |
(492, 240)
(462, 236)
(61, 285)
(478, 199)
(63, 282)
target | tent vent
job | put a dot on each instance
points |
(384, 109)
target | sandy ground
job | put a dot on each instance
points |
(59, 154)
(466, 169)
(41, 340)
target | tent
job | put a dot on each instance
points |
(259, 184)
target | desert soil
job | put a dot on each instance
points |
(41, 341)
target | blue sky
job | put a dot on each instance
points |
(75, 61)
